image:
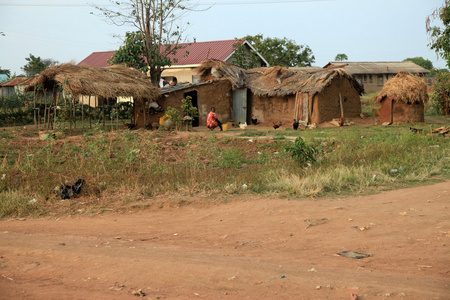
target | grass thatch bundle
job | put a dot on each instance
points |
(236, 75)
(108, 82)
(404, 87)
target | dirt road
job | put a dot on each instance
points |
(250, 247)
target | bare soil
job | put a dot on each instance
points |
(246, 247)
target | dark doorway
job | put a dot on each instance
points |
(193, 95)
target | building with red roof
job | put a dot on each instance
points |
(187, 58)
(13, 86)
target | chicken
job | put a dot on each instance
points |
(276, 125)
(341, 121)
(254, 121)
(68, 191)
(128, 125)
(416, 130)
(243, 125)
(76, 188)
(295, 124)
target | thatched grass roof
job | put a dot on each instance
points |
(234, 74)
(404, 87)
(108, 82)
(278, 81)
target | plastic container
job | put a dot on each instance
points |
(224, 127)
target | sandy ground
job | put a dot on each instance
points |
(250, 247)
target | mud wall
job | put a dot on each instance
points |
(403, 112)
(217, 94)
(273, 109)
(325, 105)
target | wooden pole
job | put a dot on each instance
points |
(45, 108)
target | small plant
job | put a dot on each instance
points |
(189, 111)
(175, 117)
(302, 152)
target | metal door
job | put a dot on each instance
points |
(240, 106)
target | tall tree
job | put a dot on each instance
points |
(420, 61)
(341, 57)
(36, 65)
(282, 52)
(157, 28)
(440, 35)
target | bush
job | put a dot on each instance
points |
(301, 152)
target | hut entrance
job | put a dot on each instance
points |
(301, 112)
(240, 105)
(194, 99)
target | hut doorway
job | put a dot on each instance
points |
(240, 105)
(194, 99)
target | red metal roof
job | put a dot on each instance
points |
(198, 52)
(97, 59)
(19, 80)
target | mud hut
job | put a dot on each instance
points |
(402, 99)
(103, 83)
(277, 94)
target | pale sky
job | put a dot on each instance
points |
(364, 30)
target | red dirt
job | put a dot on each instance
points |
(249, 247)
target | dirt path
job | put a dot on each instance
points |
(251, 248)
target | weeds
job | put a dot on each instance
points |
(141, 165)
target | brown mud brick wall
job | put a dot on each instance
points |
(403, 112)
(323, 106)
(217, 94)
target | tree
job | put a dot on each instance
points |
(282, 52)
(131, 52)
(440, 35)
(36, 65)
(5, 71)
(155, 21)
(420, 61)
(341, 57)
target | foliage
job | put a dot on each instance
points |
(341, 57)
(131, 52)
(244, 57)
(440, 35)
(16, 109)
(189, 110)
(281, 52)
(301, 152)
(5, 71)
(420, 61)
(175, 115)
(36, 65)
(442, 92)
(158, 34)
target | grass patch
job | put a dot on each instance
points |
(126, 168)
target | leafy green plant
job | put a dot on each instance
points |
(175, 115)
(302, 152)
(189, 111)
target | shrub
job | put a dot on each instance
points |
(301, 152)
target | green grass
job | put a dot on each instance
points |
(124, 167)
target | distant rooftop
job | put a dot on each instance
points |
(380, 67)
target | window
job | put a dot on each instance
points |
(365, 78)
(380, 80)
(370, 78)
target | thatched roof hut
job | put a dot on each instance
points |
(404, 87)
(402, 99)
(280, 94)
(108, 82)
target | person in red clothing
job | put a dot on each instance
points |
(212, 121)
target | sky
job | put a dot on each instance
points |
(364, 30)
